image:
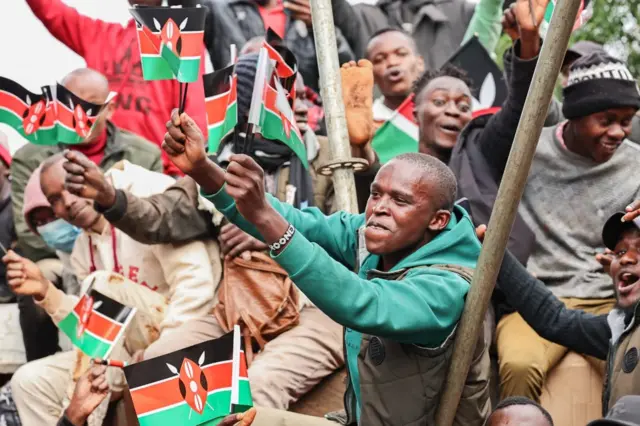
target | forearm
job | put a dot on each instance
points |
(577, 330)
(485, 24)
(169, 217)
(209, 176)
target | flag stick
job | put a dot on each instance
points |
(180, 99)
(183, 100)
(506, 205)
(109, 362)
(331, 85)
(3, 248)
(248, 141)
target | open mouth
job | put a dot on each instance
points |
(450, 128)
(627, 281)
(394, 75)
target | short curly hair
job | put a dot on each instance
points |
(446, 70)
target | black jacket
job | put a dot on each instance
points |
(238, 21)
(7, 237)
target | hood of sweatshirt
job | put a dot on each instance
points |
(33, 198)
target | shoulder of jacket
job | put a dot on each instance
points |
(33, 152)
(135, 142)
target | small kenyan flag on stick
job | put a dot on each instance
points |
(200, 384)
(75, 117)
(286, 63)
(31, 114)
(220, 103)
(170, 41)
(105, 325)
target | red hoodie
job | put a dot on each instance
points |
(142, 107)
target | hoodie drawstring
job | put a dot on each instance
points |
(116, 264)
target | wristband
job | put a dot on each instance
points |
(284, 240)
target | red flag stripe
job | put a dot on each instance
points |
(192, 43)
(406, 108)
(13, 103)
(98, 324)
(165, 393)
(217, 108)
(283, 70)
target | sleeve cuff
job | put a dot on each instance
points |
(52, 300)
(117, 211)
(220, 199)
(296, 255)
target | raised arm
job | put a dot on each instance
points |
(65, 23)
(496, 139)
(263, 216)
(176, 215)
(577, 330)
(485, 24)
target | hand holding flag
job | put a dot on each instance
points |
(184, 143)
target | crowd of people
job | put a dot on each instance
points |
(198, 241)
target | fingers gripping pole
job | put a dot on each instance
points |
(331, 90)
(505, 207)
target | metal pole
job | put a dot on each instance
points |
(506, 204)
(331, 90)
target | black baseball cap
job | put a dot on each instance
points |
(580, 49)
(625, 412)
(614, 227)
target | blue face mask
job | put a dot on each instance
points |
(59, 235)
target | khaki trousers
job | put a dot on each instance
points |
(272, 417)
(287, 368)
(525, 358)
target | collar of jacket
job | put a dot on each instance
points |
(478, 123)
(620, 322)
(114, 143)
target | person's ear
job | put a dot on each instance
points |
(439, 221)
(110, 109)
(419, 65)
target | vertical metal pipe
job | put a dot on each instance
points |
(331, 91)
(506, 205)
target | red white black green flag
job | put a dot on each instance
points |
(197, 385)
(270, 111)
(96, 323)
(170, 41)
(54, 116)
(220, 91)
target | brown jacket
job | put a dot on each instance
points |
(401, 384)
(623, 374)
(180, 214)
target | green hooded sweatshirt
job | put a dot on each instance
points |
(423, 308)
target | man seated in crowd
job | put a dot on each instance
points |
(295, 361)
(7, 230)
(170, 285)
(580, 159)
(613, 336)
(414, 252)
(106, 145)
(112, 50)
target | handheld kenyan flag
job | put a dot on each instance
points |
(286, 63)
(74, 116)
(398, 135)
(31, 114)
(170, 41)
(197, 385)
(220, 103)
(106, 323)
(277, 121)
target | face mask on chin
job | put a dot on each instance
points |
(59, 235)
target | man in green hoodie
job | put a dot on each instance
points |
(414, 251)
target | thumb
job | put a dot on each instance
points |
(189, 127)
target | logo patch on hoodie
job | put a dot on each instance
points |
(376, 351)
(630, 360)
